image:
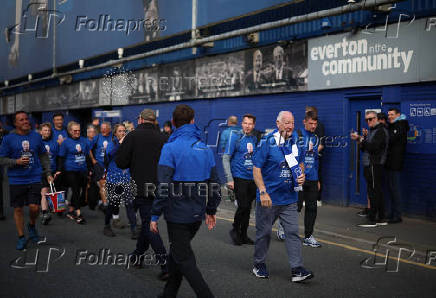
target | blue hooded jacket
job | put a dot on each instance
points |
(186, 169)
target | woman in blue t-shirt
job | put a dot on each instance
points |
(52, 147)
(119, 187)
(73, 155)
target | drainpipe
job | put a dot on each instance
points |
(194, 25)
(54, 40)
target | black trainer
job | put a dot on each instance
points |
(107, 231)
(235, 237)
(394, 220)
(247, 240)
(368, 224)
(363, 213)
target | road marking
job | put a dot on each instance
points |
(349, 247)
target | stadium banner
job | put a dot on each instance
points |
(395, 54)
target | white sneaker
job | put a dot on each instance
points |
(311, 241)
(280, 232)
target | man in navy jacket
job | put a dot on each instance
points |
(188, 189)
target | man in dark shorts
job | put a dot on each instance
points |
(23, 152)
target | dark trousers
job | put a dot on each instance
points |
(110, 210)
(1, 192)
(113, 209)
(131, 215)
(93, 194)
(245, 192)
(394, 183)
(147, 238)
(181, 261)
(309, 195)
(319, 178)
(374, 181)
(77, 181)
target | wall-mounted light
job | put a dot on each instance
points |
(6, 83)
(81, 63)
(326, 24)
(29, 76)
(252, 37)
(120, 53)
(351, 1)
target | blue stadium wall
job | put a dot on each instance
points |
(419, 188)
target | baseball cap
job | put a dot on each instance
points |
(148, 114)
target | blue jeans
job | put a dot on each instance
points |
(394, 182)
(147, 238)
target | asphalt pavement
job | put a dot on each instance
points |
(352, 262)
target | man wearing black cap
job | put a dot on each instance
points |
(140, 152)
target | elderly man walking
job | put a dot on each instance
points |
(278, 173)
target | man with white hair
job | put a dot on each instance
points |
(256, 77)
(282, 74)
(278, 172)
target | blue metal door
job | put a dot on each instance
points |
(357, 184)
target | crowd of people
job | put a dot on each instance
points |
(118, 164)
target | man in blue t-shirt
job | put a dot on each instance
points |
(97, 152)
(308, 143)
(278, 173)
(59, 131)
(238, 169)
(232, 123)
(23, 152)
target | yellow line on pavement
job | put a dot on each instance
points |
(349, 247)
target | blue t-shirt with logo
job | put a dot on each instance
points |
(241, 149)
(99, 147)
(59, 135)
(75, 151)
(15, 146)
(52, 148)
(309, 146)
(275, 171)
(90, 142)
(114, 173)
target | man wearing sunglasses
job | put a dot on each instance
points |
(375, 144)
